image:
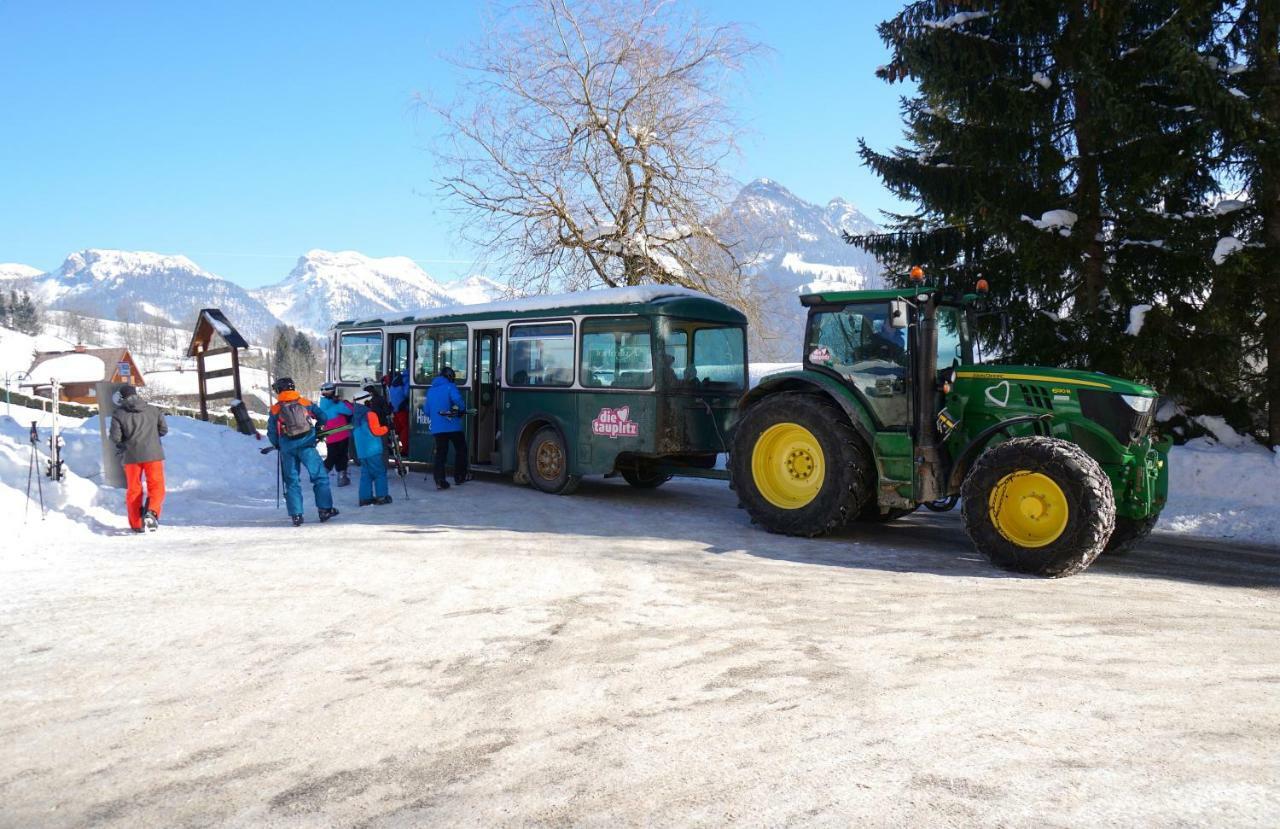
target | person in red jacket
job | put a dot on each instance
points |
(136, 429)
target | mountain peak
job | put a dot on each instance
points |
(16, 271)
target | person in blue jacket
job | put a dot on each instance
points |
(445, 408)
(336, 413)
(368, 433)
(291, 430)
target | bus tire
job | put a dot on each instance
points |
(1129, 532)
(644, 475)
(798, 466)
(548, 462)
(1038, 505)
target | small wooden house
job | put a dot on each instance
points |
(80, 370)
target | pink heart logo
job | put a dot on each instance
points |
(624, 414)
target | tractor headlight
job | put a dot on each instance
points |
(1138, 403)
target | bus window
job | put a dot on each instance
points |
(359, 356)
(540, 354)
(718, 357)
(617, 353)
(436, 346)
(675, 354)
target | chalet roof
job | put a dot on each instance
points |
(210, 322)
(85, 365)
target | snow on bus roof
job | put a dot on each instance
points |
(546, 302)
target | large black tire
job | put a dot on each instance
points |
(644, 475)
(840, 482)
(871, 512)
(1129, 532)
(548, 463)
(1086, 499)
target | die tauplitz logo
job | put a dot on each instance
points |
(615, 423)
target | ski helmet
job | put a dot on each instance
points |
(362, 397)
(283, 384)
(329, 389)
(448, 373)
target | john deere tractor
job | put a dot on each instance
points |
(891, 411)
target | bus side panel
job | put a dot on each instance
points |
(522, 405)
(610, 423)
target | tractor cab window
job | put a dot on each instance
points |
(952, 336)
(858, 342)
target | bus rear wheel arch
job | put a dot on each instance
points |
(546, 460)
(798, 466)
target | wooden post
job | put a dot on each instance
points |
(204, 410)
(235, 372)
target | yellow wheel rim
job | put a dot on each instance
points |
(788, 466)
(1029, 509)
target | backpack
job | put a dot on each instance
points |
(293, 420)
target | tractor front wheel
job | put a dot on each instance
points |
(1038, 505)
(798, 466)
(1129, 532)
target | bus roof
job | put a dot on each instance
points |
(666, 300)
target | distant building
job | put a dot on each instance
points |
(80, 370)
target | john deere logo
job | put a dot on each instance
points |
(615, 423)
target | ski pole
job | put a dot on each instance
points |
(279, 475)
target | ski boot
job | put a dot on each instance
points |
(442, 484)
(150, 521)
(383, 501)
(296, 519)
(326, 514)
(344, 479)
(364, 502)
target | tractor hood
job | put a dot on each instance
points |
(1056, 376)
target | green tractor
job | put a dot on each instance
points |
(891, 411)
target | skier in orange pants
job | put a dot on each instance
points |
(136, 429)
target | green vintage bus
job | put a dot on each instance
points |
(640, 382)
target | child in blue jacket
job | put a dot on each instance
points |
(367, 433)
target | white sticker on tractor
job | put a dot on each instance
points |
(1001, 388)
(615, 423)
(820, 356)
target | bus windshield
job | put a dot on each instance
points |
(704, 357)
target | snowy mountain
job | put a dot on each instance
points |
(327, 286)
(101, 283)
(15, 276)
(792, 247)
(476, 290)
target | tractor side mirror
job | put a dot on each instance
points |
(947, 379)
(898, 313)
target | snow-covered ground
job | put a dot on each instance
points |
(493, 655)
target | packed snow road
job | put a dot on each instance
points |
(492, 655)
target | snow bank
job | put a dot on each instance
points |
(213, 474)
(1225, 488)
(70, 368)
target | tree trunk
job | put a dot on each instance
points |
(1267, 55)
(1089, 181)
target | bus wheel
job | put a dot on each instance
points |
(1038, 505)
(871, 512)
(548, 463)
(798, 466)
(644, 475)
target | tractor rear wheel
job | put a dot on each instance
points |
(798, 466)
(1129, 532)
(1038, 505)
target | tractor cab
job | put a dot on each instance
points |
(891, 411)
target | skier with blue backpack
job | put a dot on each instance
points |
(291, 430)
(368, 434)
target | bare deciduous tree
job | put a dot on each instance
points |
(587, 144)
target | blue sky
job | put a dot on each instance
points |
(243, 134)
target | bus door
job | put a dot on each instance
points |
(486, 423)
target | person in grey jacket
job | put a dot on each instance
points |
(136, 429)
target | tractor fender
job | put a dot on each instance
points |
(815, 383)
(975, 447)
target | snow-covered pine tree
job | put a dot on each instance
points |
(1246, 61)
(1050, 147)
